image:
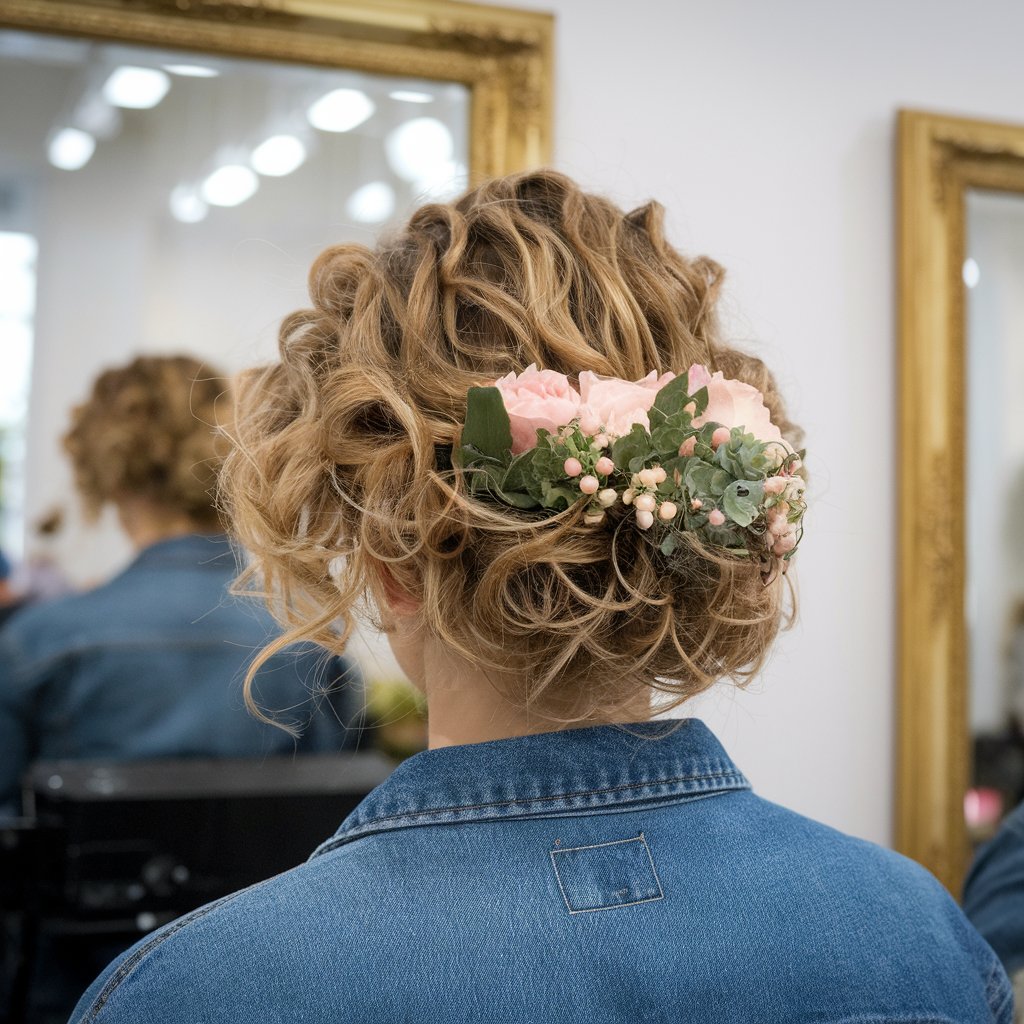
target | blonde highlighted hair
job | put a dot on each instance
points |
(148, 431)
(341, 462)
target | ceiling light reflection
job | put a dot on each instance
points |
(340, 110)
(411, 96)
(419, 149)
(191, 70)
(372, 203)
(136, 88)
(278, 156)
(187, 206)
(71, 148)
(229, 185)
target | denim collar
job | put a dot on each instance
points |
(553, 774)
(192, 549)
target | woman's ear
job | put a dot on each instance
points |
(399, 601)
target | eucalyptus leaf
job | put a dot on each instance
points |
(741, 501)
(668, 438)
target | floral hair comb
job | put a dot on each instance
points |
(695, 453)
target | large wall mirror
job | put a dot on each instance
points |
(961, 440)
(170, 169)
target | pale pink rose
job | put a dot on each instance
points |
(614, 405)
(697, 377)
(733, 404)
(536, 399)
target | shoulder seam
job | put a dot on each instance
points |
(130, 963)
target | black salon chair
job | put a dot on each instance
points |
(108, 851)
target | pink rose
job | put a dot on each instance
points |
(733, 404)
(614, 405)
(536, 399)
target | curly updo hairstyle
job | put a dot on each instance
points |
(148, 431)
(341, 459)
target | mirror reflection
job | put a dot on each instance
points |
(159, 212)
(995, 497)
(159, 201)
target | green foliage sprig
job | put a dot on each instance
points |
(720, 484)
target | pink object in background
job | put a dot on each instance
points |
(983, 808)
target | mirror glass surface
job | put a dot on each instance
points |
(994, 503)
(158, 201)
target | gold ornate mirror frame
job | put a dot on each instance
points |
(504, 56)
(940, 159)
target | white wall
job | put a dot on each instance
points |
(767, 130)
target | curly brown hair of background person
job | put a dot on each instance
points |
(340, 463)
(148, 431)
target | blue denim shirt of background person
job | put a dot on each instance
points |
(597, 874)
(994, 891)
(150, 665)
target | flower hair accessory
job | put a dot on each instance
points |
(695, 453)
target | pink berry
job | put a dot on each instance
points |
(784, 544)
(645, 520)
(572, 467)
(696, 503)
(627, 497)
(720, 436)
(775, 485)
(607, 497)
(605, 465)
(648, 477)
(687, 447)
(659, 474)
(589, 484)
(645, 502)
(667, 510)
(716, 518)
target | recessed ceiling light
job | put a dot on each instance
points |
(411, 96)
(372, 203)
(191, 70)
(278, 156)
(71, 148)
(972, 272)
(136, 88)
(229, 185)
(419, 148)
(187, 206)
(340, 110)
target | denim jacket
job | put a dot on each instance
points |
(601, 874)
(151, 665)
(994, 891)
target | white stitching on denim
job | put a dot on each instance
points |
(642, 839)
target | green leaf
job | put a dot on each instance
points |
(741, 501)
(697, 477)
(673, 396)
(558, 496)
(634, 445)
(667, 439)
(700, 398)
(487, 425)
(669, 544)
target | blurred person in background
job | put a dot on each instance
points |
(150, 664)
(994, 898)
